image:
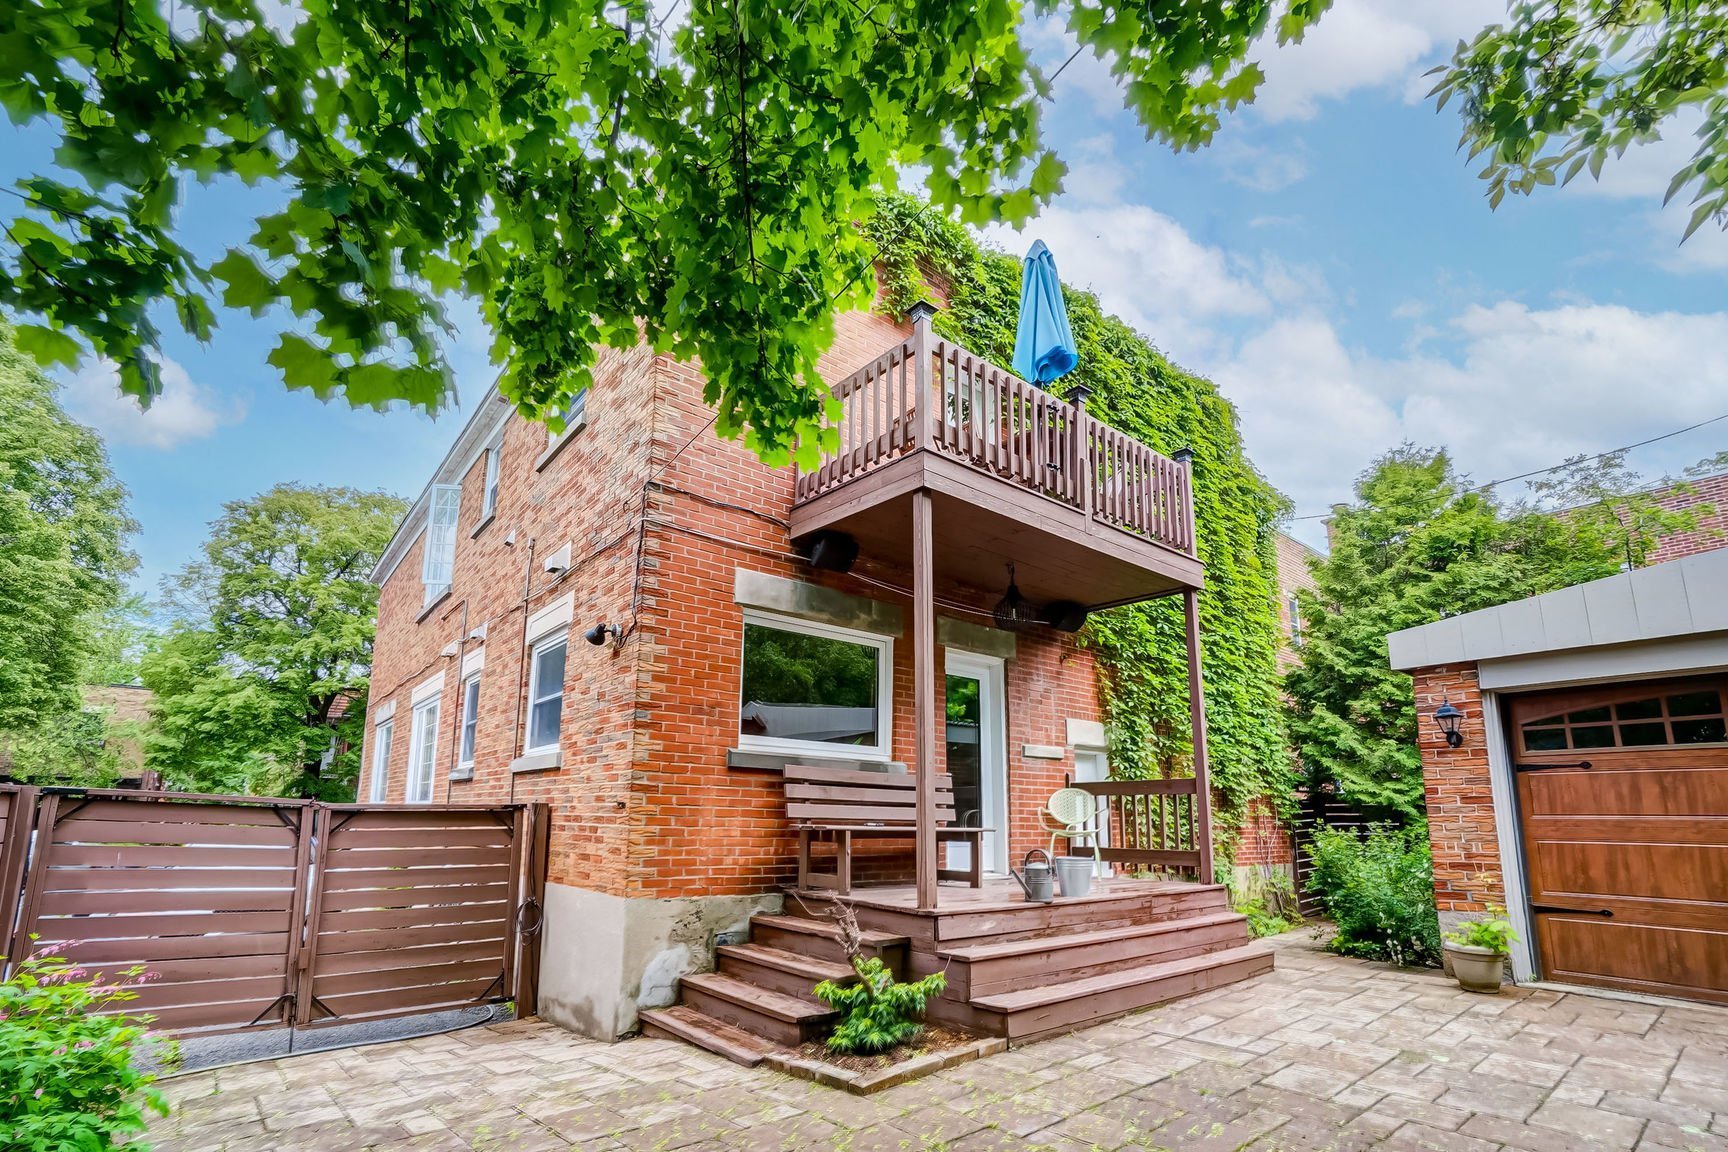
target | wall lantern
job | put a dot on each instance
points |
(1448, 717)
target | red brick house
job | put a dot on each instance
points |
(1584, 786)
(643, 625)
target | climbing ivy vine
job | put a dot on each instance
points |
(1140, 646)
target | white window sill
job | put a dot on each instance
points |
(462, 772)
(481, 527)
(552, 449)
(545, 761)
(433, 603)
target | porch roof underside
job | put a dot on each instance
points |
(983, 524)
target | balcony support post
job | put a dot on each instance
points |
(924, 691)
(926, 403)
(1197, 717)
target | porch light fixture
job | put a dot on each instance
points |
(1013, 612)
(602, 632)
(1448, 717)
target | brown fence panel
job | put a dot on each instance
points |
(205, 894)
(413, 909)
(17, 814)
(1320, 809)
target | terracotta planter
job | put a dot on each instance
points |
(1477, 969)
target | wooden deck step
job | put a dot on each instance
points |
(681, 1022)
(820, 939)
(1051, 1008)
(783, 1019)
(977, 970)
(775, 968)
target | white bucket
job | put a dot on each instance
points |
(1074, 875)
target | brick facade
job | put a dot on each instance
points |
(660, 514)
(1712, 530)
(1458, 793)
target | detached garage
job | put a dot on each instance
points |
(1585, 783)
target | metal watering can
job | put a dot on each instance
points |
(1038, 879)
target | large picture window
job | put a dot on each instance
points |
(423, 752)
(546, 694)
(438, 559)
(814, 688)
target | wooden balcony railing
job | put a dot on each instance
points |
(991, 420)
(1150, 823)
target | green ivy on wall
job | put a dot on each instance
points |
(1140, 646)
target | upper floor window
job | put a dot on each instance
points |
(1676, 715)
(470, 719)
(575, 419)
(489, 499)
(438, 561)
(1295, 607)
(809, 687)
(546, 694)
(381, 739)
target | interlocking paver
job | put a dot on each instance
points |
(1322, 1055)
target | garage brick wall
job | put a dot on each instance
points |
(1461, 828)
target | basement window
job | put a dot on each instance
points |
(814, 688)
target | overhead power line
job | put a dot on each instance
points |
(1567, 463)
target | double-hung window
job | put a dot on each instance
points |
(438, 559)
(382, 737)
(575, 415)
(470, 719)
(423, 751)
(546, 693)
(814, 688)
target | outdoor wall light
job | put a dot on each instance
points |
(599, 634)
(1448, 717)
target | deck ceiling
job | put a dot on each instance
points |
(1058, 553)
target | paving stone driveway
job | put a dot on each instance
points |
(1324, 1053)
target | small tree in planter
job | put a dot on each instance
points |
(68, 1078)
(878, 1012)
(1477, 951)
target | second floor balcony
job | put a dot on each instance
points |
(1086, 514)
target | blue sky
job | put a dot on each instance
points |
(1330, 261)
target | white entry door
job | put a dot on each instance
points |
(977, 747)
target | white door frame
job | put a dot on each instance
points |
(990, 672)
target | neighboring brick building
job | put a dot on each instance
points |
(1710, 495)
(1294, 576)
(579, 636)
(1586, 788)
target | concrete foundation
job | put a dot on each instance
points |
(603, 957)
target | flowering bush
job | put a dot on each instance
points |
(1379, 891)
(67, 1078)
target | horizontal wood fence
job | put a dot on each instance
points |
(259, 913)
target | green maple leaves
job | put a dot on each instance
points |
(593, 173)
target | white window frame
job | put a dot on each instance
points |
(423, 751)
(575, 419)
(1294, 606)
(489, 494)
(884, 646)
(560, 636)
(469, 731)
(383, 736)
(438, 542)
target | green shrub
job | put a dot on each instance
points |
(878, 1012)
(1493, 932)
(1266, 896)
(67, 1078)
(1379, 891)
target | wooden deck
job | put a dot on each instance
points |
(1014, 968)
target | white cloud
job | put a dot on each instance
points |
(1366, 44)
(185, 411)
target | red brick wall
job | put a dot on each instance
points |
(1712, 530)
(1264, 839)
(644, 803)
(1460, 803)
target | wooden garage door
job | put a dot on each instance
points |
(1623, 794)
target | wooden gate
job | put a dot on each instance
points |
(257, 913)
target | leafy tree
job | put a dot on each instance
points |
(1564, 85)
(63, 557)
(273, 644)
(580, 166)
(1420, 543)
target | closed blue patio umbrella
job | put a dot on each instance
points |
(1044, 344)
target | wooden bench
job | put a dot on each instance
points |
(848, 802)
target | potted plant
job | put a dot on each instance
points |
(1476, 953)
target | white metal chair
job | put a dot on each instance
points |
(1072, 814)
